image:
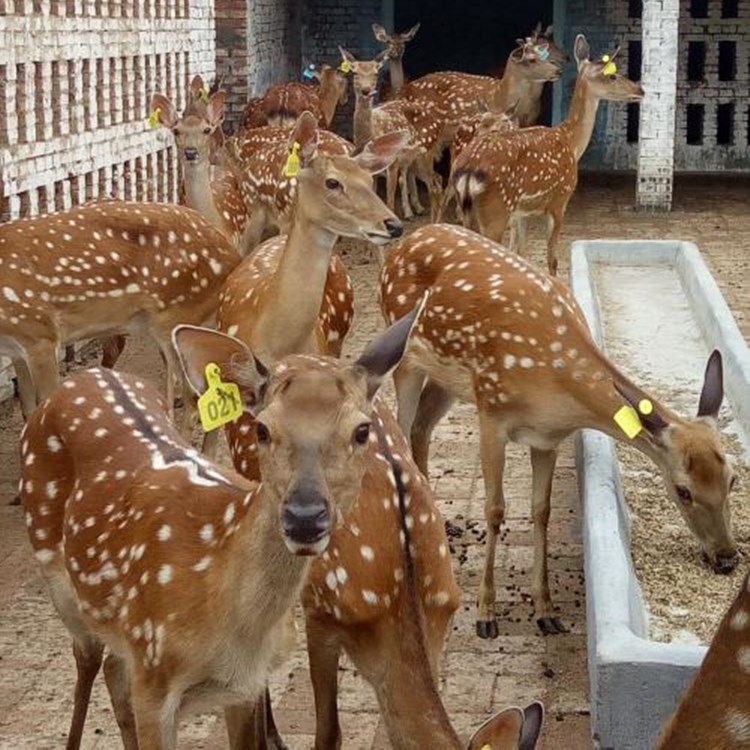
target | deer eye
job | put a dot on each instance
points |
(684, 494)
(333, 184)
(362, 433)
(206, 131)
(733, 482)
(176, 130)
(262, 434)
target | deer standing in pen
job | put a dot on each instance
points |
(715, 710)
(500, 176)
(395, 49)
(421, 122)
(283, 103)
(101, 270)
(497, 332)
(186, 571)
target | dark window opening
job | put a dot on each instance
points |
(635, 8)
(725, 124)
(727, 61)
(695, 116)
(729, 9)
(699, 8)
(696, 61)
(634, 60)
(633, 125)
(748, 126)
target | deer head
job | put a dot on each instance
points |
(695, 468)
(194, 133)
(335, 192)
(395, 43)
(601, 76)
(541, 36)
(313, 419)
(530, 61)
(366, 73)
(332, 79)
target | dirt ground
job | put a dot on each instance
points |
(36, 665)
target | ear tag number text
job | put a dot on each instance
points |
(221, 403)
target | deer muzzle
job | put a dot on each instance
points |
(724, 562)
(306, 520)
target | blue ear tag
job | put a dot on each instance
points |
(542, 52)
(308, 72)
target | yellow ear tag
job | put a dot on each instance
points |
(204, 94)
(220, 403)
(292, 166)
(486, 747)
(345, 66)
(610, 66)
(154, 118)
(627, 419)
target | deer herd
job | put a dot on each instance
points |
(186, 573)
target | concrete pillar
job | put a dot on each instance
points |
(657, 121)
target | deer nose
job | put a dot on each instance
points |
(191, 154)
(306, 520)
(366, 92)
(725, 562)
(395, 228)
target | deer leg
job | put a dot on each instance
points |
(411, 177)
(41, 359)
(434, 404)
(391, 182)
(493, 464)
(518, 234)
(155, 717)
(250, 726)
(543, 468)
(112, 348)
(118, 685)
(409, 383)
(253, 234)
(426, 173)
(403, 181)
(323, 651)
(25, 385)
(88, 653)
(555, 225)
(491, 220)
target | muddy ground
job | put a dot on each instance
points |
(36, 665)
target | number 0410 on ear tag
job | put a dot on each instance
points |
(221, 403)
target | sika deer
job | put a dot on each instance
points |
(395, 48)
(715, 710)
(283, 103)
(497, 332)
(103, 269)
(535, 170)
(186, 571)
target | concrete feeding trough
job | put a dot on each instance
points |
(636, 682)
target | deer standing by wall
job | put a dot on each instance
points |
(535, 170)
(395, 49)
(184, 570)
(497, 332)
(715, 710)
(99, 270)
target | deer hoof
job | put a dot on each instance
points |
(551, 626)
(487, 629)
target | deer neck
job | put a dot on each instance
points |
(396, 71)
(508, 90)
(579, 125)
(329, 99)
(198, 193)
(362, 120)
(295, 292)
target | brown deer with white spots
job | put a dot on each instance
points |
(269, 194)
(283, 103)
(500, 176)
(209, 189)
(715, 710)
(395, 47)
(102, 270)
(501, 334)
(184, 570)
(420, 121)
(459, 96)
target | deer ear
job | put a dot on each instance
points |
(385, 351)
(409, 35)
(653, 422)
(167, 114)
(380, 33)
(500, 732)
(533, 718)
(548, 32)
(196, 347)
(379, 153)
(305, 133)
(712, 393)
(346, 55)
(196, 86)
(581, 49)
(215, 108)
(381, 58)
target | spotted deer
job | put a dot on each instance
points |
(260, 164)
(283, 103)
(100, 270)
(395, 49)
(459, 96)
(715, 710)
(535, 170)
(499, 333)
(184, 570)
(422, 124)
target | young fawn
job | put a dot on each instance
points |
(535, 170)
(499, 333)
(185, 571)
